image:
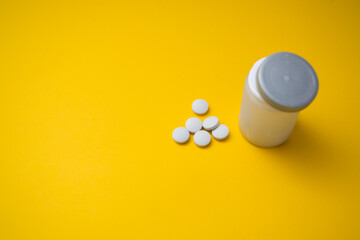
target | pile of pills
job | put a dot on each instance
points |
(202, 138)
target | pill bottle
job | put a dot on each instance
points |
(276, 89)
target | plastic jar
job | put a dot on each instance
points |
(276, 89)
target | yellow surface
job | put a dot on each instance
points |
(90, 93)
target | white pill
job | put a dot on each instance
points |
(180, 135)
(202, 138)
(221, 132)
(211, 123)
(200, 106)
(193, 124)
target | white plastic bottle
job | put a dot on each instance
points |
(276, 89)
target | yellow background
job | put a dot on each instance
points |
(90, 92)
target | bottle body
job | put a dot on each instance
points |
(260, 123)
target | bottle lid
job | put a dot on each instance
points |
(287, 82)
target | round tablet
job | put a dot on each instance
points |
(200, 106)
(193, 124)
(221, 132)
(202, 138)
(211, 123)
(180, 135)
